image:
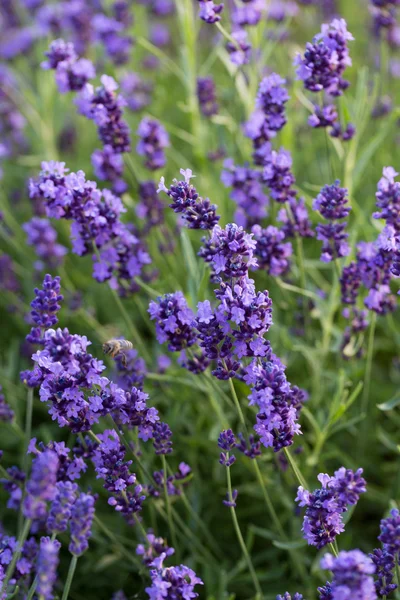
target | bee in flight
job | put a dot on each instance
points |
(116, 348)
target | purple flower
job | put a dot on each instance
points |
(43, 237)
(41, 485)
(172, 582)
(197, 212)
(174, 321)
(384, 563)
(325, 59)
(96, 220)
(110, 464)
(230, 251)
(390, 532)
(295, 219)
(388, 199)
(240, 50)
(278, 402)
(210, 12)
(227, 442)
(45, 307)
(278, 176)
(152, 548)
(153, 140)
(105, 107)
(325, 506)
(325, 116)
(136, 91)
(13, 485)
(332, 201)
(109, 165)
(46, 570)
(352, 575)
(247, 193)
(72, 73)
(207, 96)
(61, 507)
(162, 438)
(271, 99)
(272, 254)
(250, 448)
(8, 279)
(230, 503)
(6, 412)
(287, 596)
(81, 523)
(59, 51)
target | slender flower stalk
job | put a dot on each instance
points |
(168, 502)
(70, 576)
(236, 525)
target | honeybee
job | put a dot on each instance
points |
(116, 348)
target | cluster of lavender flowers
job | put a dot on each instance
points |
(84, 23)
(376, 262)
(71, 73)
(6, 412)
(384, 17)
(173, 484)
(153, 140)
(323, 519)
(110, 464)
(235, 328)
(352, 576)
(386, 557)
(171, 582)
(96, 224)
(210, 12)
(331, 203)
(321, 69)
(269, 116)
(25, 566)
(207, 96)
(196, 212)
(137, 92)
(43, 237)
(247, 192)
(105, 107)
(70, 378)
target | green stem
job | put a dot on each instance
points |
(268, 501)
(240, 536)
(27, 437)
(70, 576)
(21, 541)
(368, 367)
(237, 404)
(295, 469)
(168, 504)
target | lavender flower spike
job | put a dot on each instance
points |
(178, 582)
(210, 12)
(81, 523)
(352, 575)
(41, 486)
(47, 563)
(197, 212)
(325, 506)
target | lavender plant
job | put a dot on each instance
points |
(247, 306)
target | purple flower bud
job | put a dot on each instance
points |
(81, 523)
(41, 486)
(352, 575)
(61, 507)
(153, 140)
(46, 571)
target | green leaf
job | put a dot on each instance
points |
(290, 545)
(390, 404)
